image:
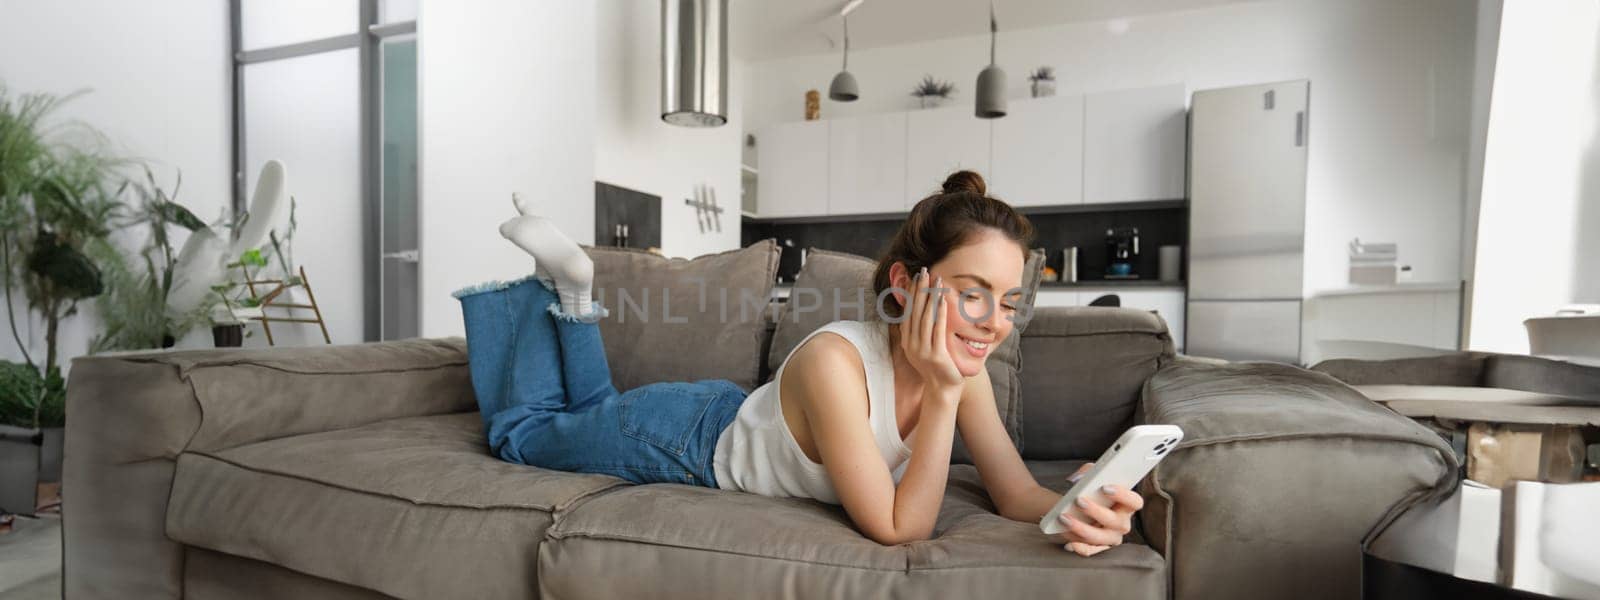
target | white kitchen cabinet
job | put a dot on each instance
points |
(1056, 297)
(1168, 304)
(1038, 152)
(867, 164)
(794, 170)
(940, 141)
(1381, 321)
(1134, 144)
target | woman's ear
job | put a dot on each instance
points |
(900, 277)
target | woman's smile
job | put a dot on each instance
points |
(976, 347)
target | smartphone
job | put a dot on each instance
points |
(1125, 463)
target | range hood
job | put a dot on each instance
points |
(694, 62)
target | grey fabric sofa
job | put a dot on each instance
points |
(361, 472)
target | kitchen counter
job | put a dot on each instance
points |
(1113, 283)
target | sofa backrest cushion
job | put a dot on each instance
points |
(834, 286)
(675, 319)
(1543, 375)
(1084, 369)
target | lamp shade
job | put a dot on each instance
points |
(991, 100)
(844, 88)
(694, 62)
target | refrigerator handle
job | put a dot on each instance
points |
(1299, 129)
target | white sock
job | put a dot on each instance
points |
(557, 259)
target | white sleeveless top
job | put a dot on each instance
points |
(757, 453)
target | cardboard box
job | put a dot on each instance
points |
(1498, 455)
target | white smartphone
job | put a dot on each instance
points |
(1125, 463)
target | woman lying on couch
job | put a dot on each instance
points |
(860, 414)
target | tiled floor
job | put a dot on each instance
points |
(30, 559)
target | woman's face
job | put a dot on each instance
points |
(985, 274)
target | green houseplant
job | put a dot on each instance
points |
(1042, 82)
(135, 309)
(931, 93)
(56, 204)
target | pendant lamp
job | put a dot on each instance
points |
(991, 101)
(844, 88)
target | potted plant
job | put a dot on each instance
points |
(1042, 82)
(932, 93)
(32, 417)
(231, 296)
(55, 207)
(227, 329)
(137, 308)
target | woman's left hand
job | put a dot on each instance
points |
(1105, 525)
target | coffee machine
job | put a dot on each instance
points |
(1122, 253)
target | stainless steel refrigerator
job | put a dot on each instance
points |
(1247, 213)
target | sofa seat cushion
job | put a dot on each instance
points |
(412, 507)
(721, 544)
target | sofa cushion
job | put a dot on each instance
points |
(832, 286)
(794, 548)
(1084, 371)
(1460, 369)
(837, 286)
(675, 319)
(410, 507)
(1536, 374)
(1281, 473)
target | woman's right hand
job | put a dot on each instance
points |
(924, 339)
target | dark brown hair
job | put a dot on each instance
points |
(943, 222)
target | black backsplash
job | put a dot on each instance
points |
(615, 205)
(1160, 224)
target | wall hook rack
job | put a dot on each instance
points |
(706, 212)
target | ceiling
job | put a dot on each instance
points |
(766, 29)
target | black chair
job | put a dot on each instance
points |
(1107, 300)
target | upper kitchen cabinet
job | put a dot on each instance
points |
(1038, 152)
(1134, 145)
(940, 141)
(867, 164)
(794, 170)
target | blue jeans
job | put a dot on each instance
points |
(544, 391)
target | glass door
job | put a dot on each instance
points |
(398, 137)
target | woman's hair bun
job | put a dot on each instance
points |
(965, 181)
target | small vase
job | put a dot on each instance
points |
(1044, 88)
(227, 335)
(931, 101)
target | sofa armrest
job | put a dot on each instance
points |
(129, 415)
(1281, 474)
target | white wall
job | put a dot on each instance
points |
(284, 100)
(508, 105)
(1537, 247)
(636, 150)
(158, 72)
(1390, 98)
